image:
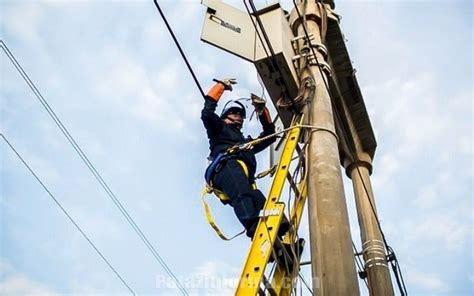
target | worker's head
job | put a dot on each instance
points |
(234, 114)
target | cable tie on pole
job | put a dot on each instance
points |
(315, 128)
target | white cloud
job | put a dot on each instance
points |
(448, 230)
(412, 115)
(15, 23)
(416, 120)
(439, 191)
(13, 282)
(188, 13)
(423, 171)
(49, 173)
(152, 33)
(210, 278)
(218, 278)
(389, 164)
(430, 283)
(169, 77)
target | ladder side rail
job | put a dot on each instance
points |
(282, 282)
(266, 233)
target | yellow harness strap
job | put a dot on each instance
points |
(208, 189)
(246, 172)
(210, 220)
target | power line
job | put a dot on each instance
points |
(179, 47)
(391, 254)
(92, 168)
(359, 263)
(266, 41)
(305, 283)
(67, 214)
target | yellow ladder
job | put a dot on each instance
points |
(253, 274)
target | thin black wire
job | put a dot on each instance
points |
(179, 47)
(91, 167)
(305, 283)
(67, 214)
(271, 274)
(359, 263)
(397, 271)
(258, 33)
(271, 56)
(266, 43)
(400, 282)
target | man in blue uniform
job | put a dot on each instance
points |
(235, 174)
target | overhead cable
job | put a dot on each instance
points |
(305, 283)
(359, 263)
(265, 41)
(56, 201)
(179, 47)
(92, 168)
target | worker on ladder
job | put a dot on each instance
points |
(231, 172)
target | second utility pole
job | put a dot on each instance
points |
(333, 266)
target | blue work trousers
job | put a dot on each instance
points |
(247, 202)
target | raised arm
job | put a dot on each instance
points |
(266, 121)
(212, 122)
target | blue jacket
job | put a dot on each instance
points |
(223, 136)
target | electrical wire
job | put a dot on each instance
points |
(271, 56)
(359, 263)
(91, 167)
(56, 201)
(395, 266)
(259, 36)
(260, 81)
(179, 47)
(305, 283)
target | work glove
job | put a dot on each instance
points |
(258, 103)
(226, 82)
(218, 89)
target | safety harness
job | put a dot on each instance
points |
(215, 165)
(209, 188)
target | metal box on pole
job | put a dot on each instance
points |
(237, 32)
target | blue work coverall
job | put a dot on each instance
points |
(229, 175)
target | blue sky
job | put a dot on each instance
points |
(112, 74)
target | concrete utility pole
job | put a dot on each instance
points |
(333, 266)
(373, 248)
